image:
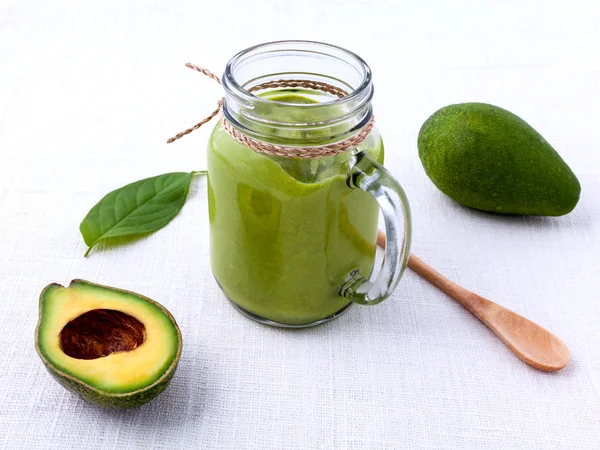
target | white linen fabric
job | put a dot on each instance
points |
(89, 93)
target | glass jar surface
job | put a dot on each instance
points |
(287, 232)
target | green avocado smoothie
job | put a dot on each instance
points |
(285, 232)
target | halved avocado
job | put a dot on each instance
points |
(113, 347)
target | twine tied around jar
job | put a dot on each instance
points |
(274, 149)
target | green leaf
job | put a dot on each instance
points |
(136, 209)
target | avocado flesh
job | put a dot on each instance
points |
(487, 158)
(120, 368)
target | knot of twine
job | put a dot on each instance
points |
(274, 149)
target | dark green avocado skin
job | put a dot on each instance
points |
(487, 158)
(114, 401)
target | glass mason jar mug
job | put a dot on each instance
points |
(293, 238)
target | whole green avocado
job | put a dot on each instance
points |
(487, 158)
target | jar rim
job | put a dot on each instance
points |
(230, 82)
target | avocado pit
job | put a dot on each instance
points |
(99, 332)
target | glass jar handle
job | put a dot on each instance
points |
(370, 176)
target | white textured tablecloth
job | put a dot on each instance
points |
(90, 91)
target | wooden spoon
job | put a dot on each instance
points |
(533, 344)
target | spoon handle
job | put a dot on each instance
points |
(535, 345)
